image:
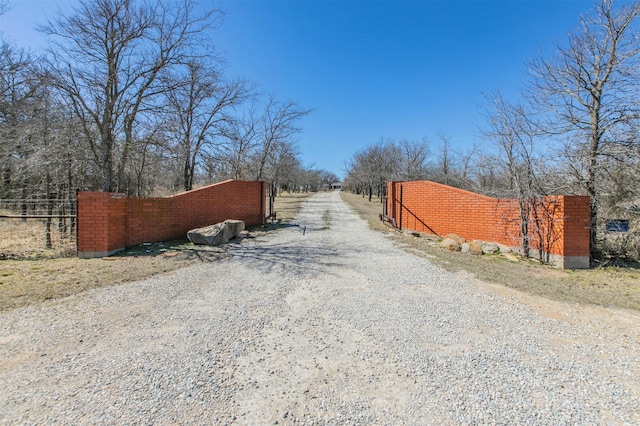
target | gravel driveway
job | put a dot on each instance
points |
(322, 322)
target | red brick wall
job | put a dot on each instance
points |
(439, 209)
(109, 222)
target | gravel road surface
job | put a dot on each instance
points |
(323, 322)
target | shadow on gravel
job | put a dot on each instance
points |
(274, 226)
(291, 256)
(287, 257)
(183, 249)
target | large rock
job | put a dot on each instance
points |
(457, 238)
(213, 235)
(504, 249)
(474, 248)
(450, 244)
(490, 248)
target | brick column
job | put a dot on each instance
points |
(100, 224)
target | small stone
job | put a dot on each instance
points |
(411, 233)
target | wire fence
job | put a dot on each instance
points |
(34, 227)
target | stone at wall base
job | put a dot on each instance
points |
(473, 248)
(213, 235)
(450, 244)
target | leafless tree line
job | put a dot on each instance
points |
(574, 130)
(131, 97)
(369, 170)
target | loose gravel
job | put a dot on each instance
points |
(324, 322)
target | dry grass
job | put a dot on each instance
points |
(288, 205)
(613, 286)
(24, 282)
(20, 239)
(30, 273)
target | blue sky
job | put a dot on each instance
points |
(371, 69)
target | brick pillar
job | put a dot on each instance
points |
(576, 248)
(101, 224)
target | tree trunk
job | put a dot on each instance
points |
(106, 159)
(593, 214)
(187, 175)
(592, 190)
(524, 225)
(49, 213)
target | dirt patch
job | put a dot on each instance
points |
(607, 286)
(31, 274)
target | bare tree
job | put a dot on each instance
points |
(452, 166)
(18, 85)
(241, 142)
(468, 163)
(371, 168)
(514, 133)
(199, 107)
(487, 173)
(106, 57)
(589, 90)
(277, 125)
(4, 6)
(445, 156)
(414, 158)
(283, 164)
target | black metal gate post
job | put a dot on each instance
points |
(401, 207)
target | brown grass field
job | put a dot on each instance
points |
(30, 274)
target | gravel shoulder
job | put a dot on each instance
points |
(324, 321)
